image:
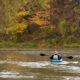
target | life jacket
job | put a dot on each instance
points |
(55, 57)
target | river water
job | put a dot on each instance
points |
(27, 64)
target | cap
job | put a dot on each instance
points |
(56, 52)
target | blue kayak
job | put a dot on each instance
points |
(56, 60)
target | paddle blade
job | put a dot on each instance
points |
(70, 57)
(42, 54)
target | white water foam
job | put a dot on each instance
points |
(46, 64)
(36, 64)
(69, 62)
(8, 72)
(14, 75)
(71, 78)
(71, 69)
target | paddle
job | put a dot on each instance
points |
(69, 57)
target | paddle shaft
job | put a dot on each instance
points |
(69, 57)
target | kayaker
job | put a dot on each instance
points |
(56, 56)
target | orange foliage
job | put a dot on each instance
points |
(51, 27)
(43, 27)
(41, 22)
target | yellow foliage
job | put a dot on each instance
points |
(18, 28)
(22, 13)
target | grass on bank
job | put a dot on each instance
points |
(12, 44)
(37, 45)
(72, 45)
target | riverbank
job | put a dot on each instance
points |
(37, 45)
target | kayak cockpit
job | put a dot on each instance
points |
(56, 60)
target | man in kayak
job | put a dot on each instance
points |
(55, 56)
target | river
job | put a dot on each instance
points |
(27, 64)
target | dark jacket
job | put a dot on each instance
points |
(53, 57)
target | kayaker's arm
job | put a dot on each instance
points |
(51, 57)
(59, 57)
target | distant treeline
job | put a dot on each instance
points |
(45, 22)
